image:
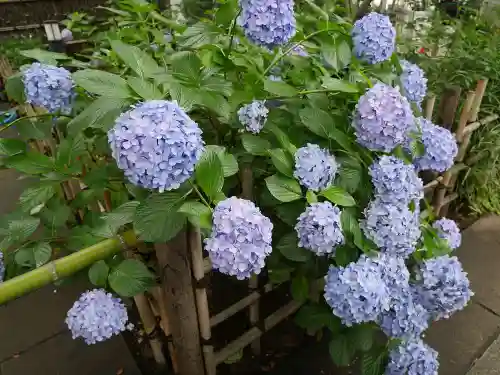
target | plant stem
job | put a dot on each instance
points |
(28, 117)
(205, 202)
(231, 32)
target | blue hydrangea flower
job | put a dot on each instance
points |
(315, 168)
(267, 23)
(240, 239)
(440, 147)
(66, 35)
(253, 116)
(156, 144)
(413, 357)
(442, 286)
(395, 181)
(449, 231)
(394, 228)
(2, 267)
(275, 78)
(413, 82)
(395, 274)
(49, 87)
(383, 118)
(318, 228)
(374, 38)
(96, 316)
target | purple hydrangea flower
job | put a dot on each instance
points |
(383, 118)
(240, 239)
(156, 144)
(395, 181)
(49, 87)
(440, 147)
(315, 168)
(318, 228)
(374, 38)
(413, 82)
(2, 267)
(96, 316)
(442, 286)
(449, 231)
(253, 116)
(267, 23)
(413, 357)
(394, 228)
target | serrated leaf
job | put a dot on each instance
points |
(283, 188)
(198, 214)
(44, 56)
(372, 364)
(282, 161)
(81, 237)
(279, 88)
(340, 350)
(300, 288)
(361, 336)
(254, 144)
(186, 68)
(54, 214)
(145, 89)
(34, 128)
(313, 317)
(38, 195)
(68, 152)
(349, 176)
(16, 228)
(186, 97)
(30, 163)
(335, 84)
(111, 222)
(10, 147)
(199, 35)
(130, 278)
(136, 59)
(338, 196)
(289, 248)
(35, 255)
(102, 83)
(98, 273)
(210, 173)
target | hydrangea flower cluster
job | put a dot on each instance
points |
(374, 38)
(267, 23)
(240, 239)
(66, 35)
(440, 147)
(253, 116)
(383, 118)
(449, 231)
(442, 286)
(49, 87)
(413, 82)
(319, 228)
(97, 316)
(156, 144)
(413, 357)
(2, 267)
(315, 167)
(394, 228)
(395, 181)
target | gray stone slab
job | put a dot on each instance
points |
(61, 355)
(488, 228)
(489, 363)
(461, 339)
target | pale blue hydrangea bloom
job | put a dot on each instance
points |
(2, 267)
(156, 144)
(394, 272)
(449, 231)
(374, 38)
(383, 118)
(395, 181)
(315, 167)
(442, 286)
(49, 87)
(440, 147)
(413, 82)
(319, 229)
(240, 239)
(253, 116)
(267, 23)
(96, 316)
(66, 35)
(413, 357)
(394, 228)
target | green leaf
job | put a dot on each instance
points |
(38, 195)
(55, 214)
(279, 88)
(30, 163)
(350, 174)
(210, 173)
(139, 61)
(311, 197)
(254, 144)
(335, 84)
(44, 56)
(102, 83)
(111, 222)
(17, 227)
(289, 248)
(338, 56)
(300, 288)
(372, 363)
(157, 218)
(146, 90)
(282, 161)
(81, 237)
(229, 164)
(344, 53)
(68, 152)
(14, 87)
(34, 128)
(340, 350)
(199, 35)
(35, 255)
(130, 278)
(186, 67)
(338, 196)
(289, 212)
(361, 337)
(313, 317)
(215, 102)
(186, 97)
(10, 147)
(283, 188)
(350, 227)
(98, 273)
(345, 254)
(198, 214)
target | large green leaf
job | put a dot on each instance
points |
(283, 188)
(198, 214)
(44, 56)
(10, 147)
(186, 68)
(34, 128)
(102, 83)
(255, 145)
(98, 273)
(361, 336)
(111, 222)
(372, 363)
(35, 255)
(289, 248)
(16, 228)
(210, 173)
(55, 214)
(30, 163)
(335, 84)
(130, 278)
(69, 150)
(199, 35)
(338, 196)
(279, 88)
(14, 88)
(315, 316)
(146, 90)
(282, 161)
(341, 351)
(136, 59)
(300, 288)
(35, 196)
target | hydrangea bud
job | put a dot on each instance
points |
(2, 267)
(374, 38)
(383, 118)
(315, 168)
(156, 145)
(267, 23)
(66, 35)
(440, 147)
(253, 116)
(413, 82)
(413, 357)
(240, 239)
(449, 231)
(395, 181)
(96, 316)
(442, 286)
(319, 229)
(49, 87)
(392, 227)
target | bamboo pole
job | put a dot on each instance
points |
(429, 106)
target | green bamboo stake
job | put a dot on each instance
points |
(63, 267)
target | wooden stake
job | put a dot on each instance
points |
(429, 106)
(448, 107)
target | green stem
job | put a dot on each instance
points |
(28, 117)
(172, 24)
(231, 32)
(63, 267)
(205, 202)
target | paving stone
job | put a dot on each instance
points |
(61, 355)
(487, 228)
(489, 363)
